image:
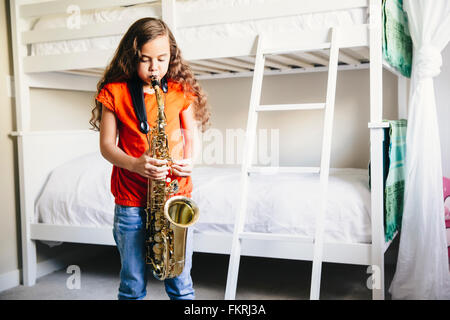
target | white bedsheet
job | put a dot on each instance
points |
(205, 33)
(78, 193)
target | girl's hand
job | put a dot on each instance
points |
(182, 168)
(150, 167)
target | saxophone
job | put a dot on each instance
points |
(167, 218)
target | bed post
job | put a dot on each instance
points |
(402, 92)
(376, 149)
(23, 125)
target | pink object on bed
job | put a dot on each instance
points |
(447, 198)
(447, 210)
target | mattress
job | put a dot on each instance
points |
(78, 193)
(189, 34)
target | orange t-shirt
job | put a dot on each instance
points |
(129, 188)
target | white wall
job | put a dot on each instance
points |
(60, 109)
(9, 196)
(442, 90)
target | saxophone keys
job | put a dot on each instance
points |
(157, 249)
(158, 225)
(158, 237)
(173, 186)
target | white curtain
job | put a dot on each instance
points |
(422, 266)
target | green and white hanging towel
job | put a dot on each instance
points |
(395, 182)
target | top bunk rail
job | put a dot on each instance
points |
(71, 11)
(225, 56)
(184, 16)
(254, 11)
(52, 7)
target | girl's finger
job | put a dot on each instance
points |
(180, 173)
(152, 173)
(183, 162)
(162, 169)
(157, 177)
(181, 168)
(157, 162)
(156, 169)
(147, 174)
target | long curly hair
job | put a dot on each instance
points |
(124, 66)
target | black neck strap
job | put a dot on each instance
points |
(137, 97)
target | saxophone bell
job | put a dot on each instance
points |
(181, 211)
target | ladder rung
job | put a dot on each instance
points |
(287, 107)
(377, 125)
(275, 236)
(273, 170)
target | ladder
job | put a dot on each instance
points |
(247, 168)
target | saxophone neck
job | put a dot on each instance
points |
(159, 98)
(161, 117)
(158, 92)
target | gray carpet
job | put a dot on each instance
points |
(259, 279)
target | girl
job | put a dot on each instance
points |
(147, 49)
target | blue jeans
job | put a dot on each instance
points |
(129, 234)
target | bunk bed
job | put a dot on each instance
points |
(60, 45)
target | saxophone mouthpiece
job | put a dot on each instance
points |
(154, 81)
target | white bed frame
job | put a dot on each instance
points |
(36, 149)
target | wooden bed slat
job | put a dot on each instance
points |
(343, 57)
(200, 73)
(219, 65)
(360, 53)
(237, 63)
(251, 60)
(273, 62)
(348, 59)
(293, 61)
(312, 57)
(200, 67)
